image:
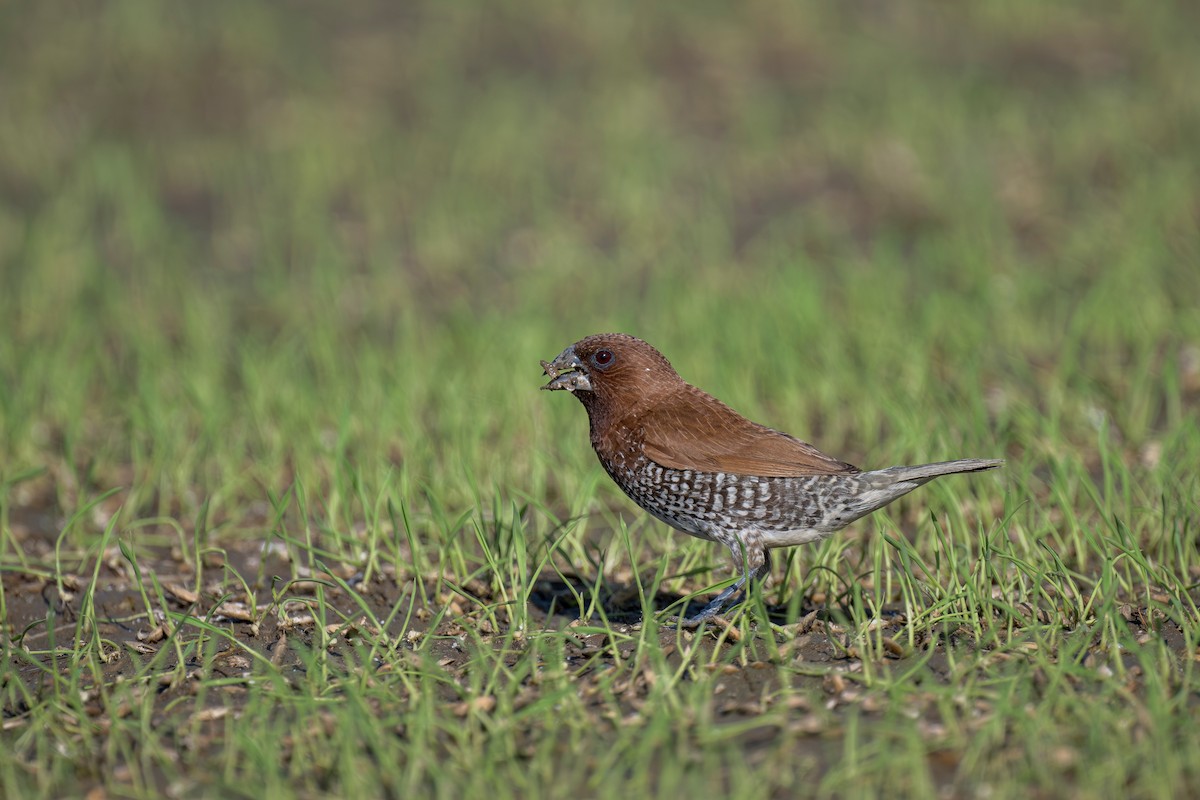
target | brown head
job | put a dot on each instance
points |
(607, 371)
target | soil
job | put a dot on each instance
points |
(278, 620)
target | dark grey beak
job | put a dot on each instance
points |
(566, 373)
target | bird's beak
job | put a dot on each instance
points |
(566, 371)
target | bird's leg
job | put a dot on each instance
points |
(752, 555)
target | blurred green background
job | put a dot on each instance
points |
(242, 242)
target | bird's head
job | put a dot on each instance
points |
(602, 368)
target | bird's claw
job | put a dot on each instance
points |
(695, 622)
(683, 623)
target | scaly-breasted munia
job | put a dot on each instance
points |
(702, 468)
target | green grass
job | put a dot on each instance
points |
(282, 510)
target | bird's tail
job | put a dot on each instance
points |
(882, 486)
(924, 473)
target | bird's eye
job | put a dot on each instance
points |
(602, 358)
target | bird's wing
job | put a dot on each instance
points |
(696, 431)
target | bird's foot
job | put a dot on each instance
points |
(712, 610)
(730, 597)
(728, 630)
(693, 622)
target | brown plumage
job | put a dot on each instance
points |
(704, 469)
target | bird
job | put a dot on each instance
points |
(696, 464)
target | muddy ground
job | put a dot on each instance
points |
(443, 619)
